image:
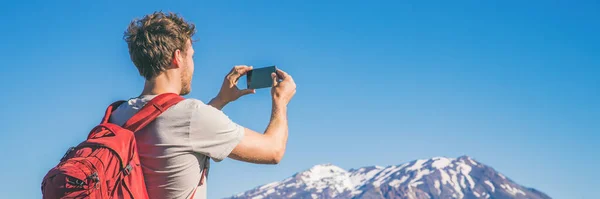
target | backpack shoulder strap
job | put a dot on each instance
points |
(110, 109)
(151, 110)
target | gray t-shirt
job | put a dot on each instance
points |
(173, 149)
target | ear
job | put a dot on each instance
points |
(177, 59)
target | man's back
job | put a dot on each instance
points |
(175, 147)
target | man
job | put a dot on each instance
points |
(176, 147)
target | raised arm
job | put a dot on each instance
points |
(269, 148)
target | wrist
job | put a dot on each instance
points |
(218, 102)
(279, 104)
(221, 99)
(279, 111)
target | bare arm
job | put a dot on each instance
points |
(229, 91)
(217, 103)
(267, 148)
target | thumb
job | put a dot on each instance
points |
(274, 77)
(248, 91)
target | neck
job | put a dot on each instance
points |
(162, 83)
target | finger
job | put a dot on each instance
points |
(237, 71)
(233, 70)
(274, 77)
(241, 71)
(282, 74)
(248, 91)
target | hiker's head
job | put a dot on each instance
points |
(161, 44)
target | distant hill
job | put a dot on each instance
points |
(435, 178)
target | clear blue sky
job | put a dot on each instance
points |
(515, 85)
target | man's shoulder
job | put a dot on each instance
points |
(190, 103)
(139, 102)
(195, 108)
(187, 106)
(133, 105)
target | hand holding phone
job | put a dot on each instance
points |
(260, 77)
(284, 88)
(229, 90)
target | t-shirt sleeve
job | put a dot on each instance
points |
(212, 133)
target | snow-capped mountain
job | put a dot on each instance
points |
(434, 178)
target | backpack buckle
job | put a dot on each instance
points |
(94, 177)
(75, 182)
(127, 169)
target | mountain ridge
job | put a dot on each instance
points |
(437, 177)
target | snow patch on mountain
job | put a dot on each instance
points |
(416, 184)
(465, 170)
(472, 162)
(511, 190)
(501, 176)
(491, 185)
(420, 175)
(396, 183)
(360, 177)
(441, 162)
(416, 166)
(437, 187)
(324, 176)
(462, 182)
(445, 177)
(383, 175)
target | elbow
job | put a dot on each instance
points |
(277, 155)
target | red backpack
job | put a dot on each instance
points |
(106, 165)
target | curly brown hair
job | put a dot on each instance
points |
(153, 40)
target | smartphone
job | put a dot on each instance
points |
(260, 77)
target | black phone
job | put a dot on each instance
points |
(260, 77)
